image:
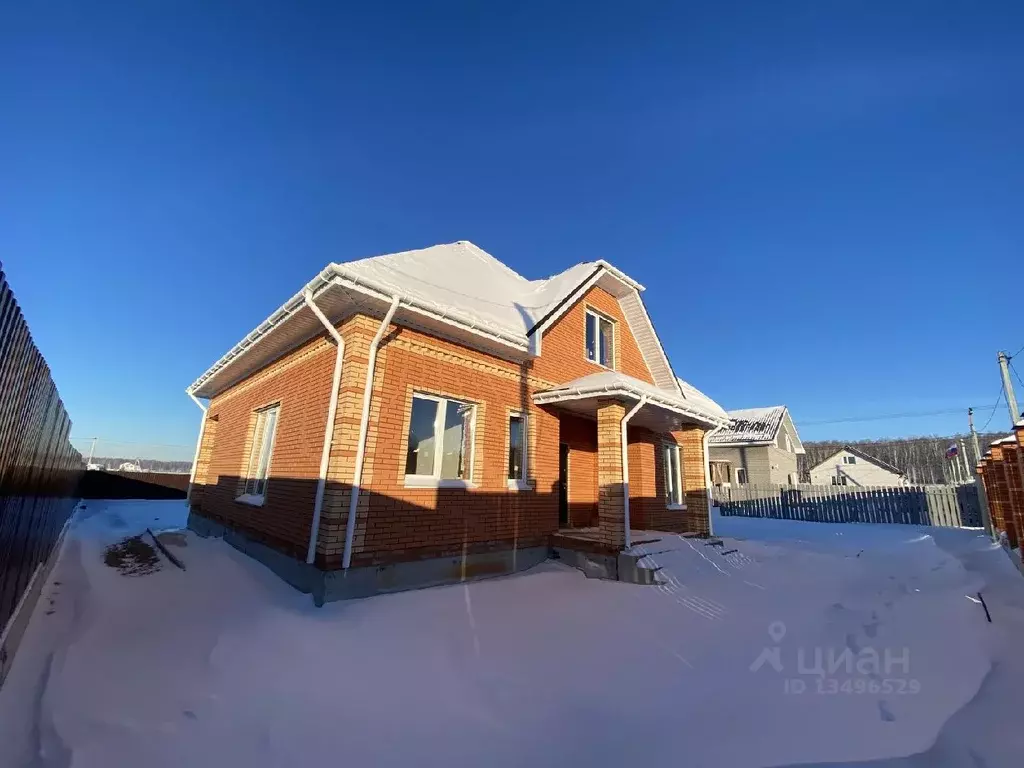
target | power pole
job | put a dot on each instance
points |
(92, 449)
(982, 494)
(1011, 399)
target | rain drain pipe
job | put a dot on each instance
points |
(199, 444)
(332, 410)
(625, 465)
(364, 423)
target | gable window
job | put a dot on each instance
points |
(839, 480)
(440, 441)
(741, 476)
(258, 469)
(600, 339)
(789, 444)
(673, 475)
(849, 459)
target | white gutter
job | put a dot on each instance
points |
(332, 410)
(707, 477)
(364, 423)
(199, 444)
(625, 465)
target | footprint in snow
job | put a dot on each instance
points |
(884, 712)
(871, 628)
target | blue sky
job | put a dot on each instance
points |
(824, 199)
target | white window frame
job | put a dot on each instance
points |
(598, 317)
(435, 480)
(519, 483)
(741, 475)
(672, 457)
(849, 459)
(251, 492)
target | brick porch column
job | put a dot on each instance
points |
(611, 511)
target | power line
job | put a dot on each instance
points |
(1017, 352)
(998, 399)
(904, 415)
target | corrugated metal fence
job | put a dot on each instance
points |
(945, 505)
(39, 469)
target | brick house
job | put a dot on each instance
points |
(428, 416)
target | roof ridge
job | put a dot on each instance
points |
(480, 253)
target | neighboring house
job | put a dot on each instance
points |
(431, 415)
(850, 466)
(759, 447)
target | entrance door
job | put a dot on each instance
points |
(563, 485)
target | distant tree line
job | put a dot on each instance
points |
(146, 465)
(921, 459)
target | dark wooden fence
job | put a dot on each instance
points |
(945, 505)
(115, 484)
(39, 469)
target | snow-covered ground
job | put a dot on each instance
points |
(223, 664)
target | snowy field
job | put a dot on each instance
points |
(224, 665)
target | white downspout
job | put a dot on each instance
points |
(364, 424)
(199, 444)
(625, 465)
(332, 410)
(707, 477)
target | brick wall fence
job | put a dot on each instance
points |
(1002, 471)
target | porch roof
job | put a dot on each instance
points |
(584, 392)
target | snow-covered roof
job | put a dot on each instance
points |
(697, 397)
(615, 384)
(455, 289)
(751, 426)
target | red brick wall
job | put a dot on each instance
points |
(563, 350)
(300, 382)
(394, 522)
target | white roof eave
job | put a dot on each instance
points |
(620, 390)
(337, 275)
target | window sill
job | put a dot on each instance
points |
(421, 481)
(250, 499)
(520, 485)
(601, 365)
(675, 507)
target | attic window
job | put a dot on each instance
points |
(600, 339)
(849, 459)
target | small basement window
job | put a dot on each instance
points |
(258, 470)
(440, 441)
(673, 475)
(600, 339)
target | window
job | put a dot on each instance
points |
(719, 472)
(741, 476)
(516, 449)
(440, 441)
(792, 478)
(600, 340)
(259, 456)
(849, 459)
(839, 480)
(673, 475)
(789, 444)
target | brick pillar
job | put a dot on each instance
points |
(611, 512)
(697, 514)
(1015, 487)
